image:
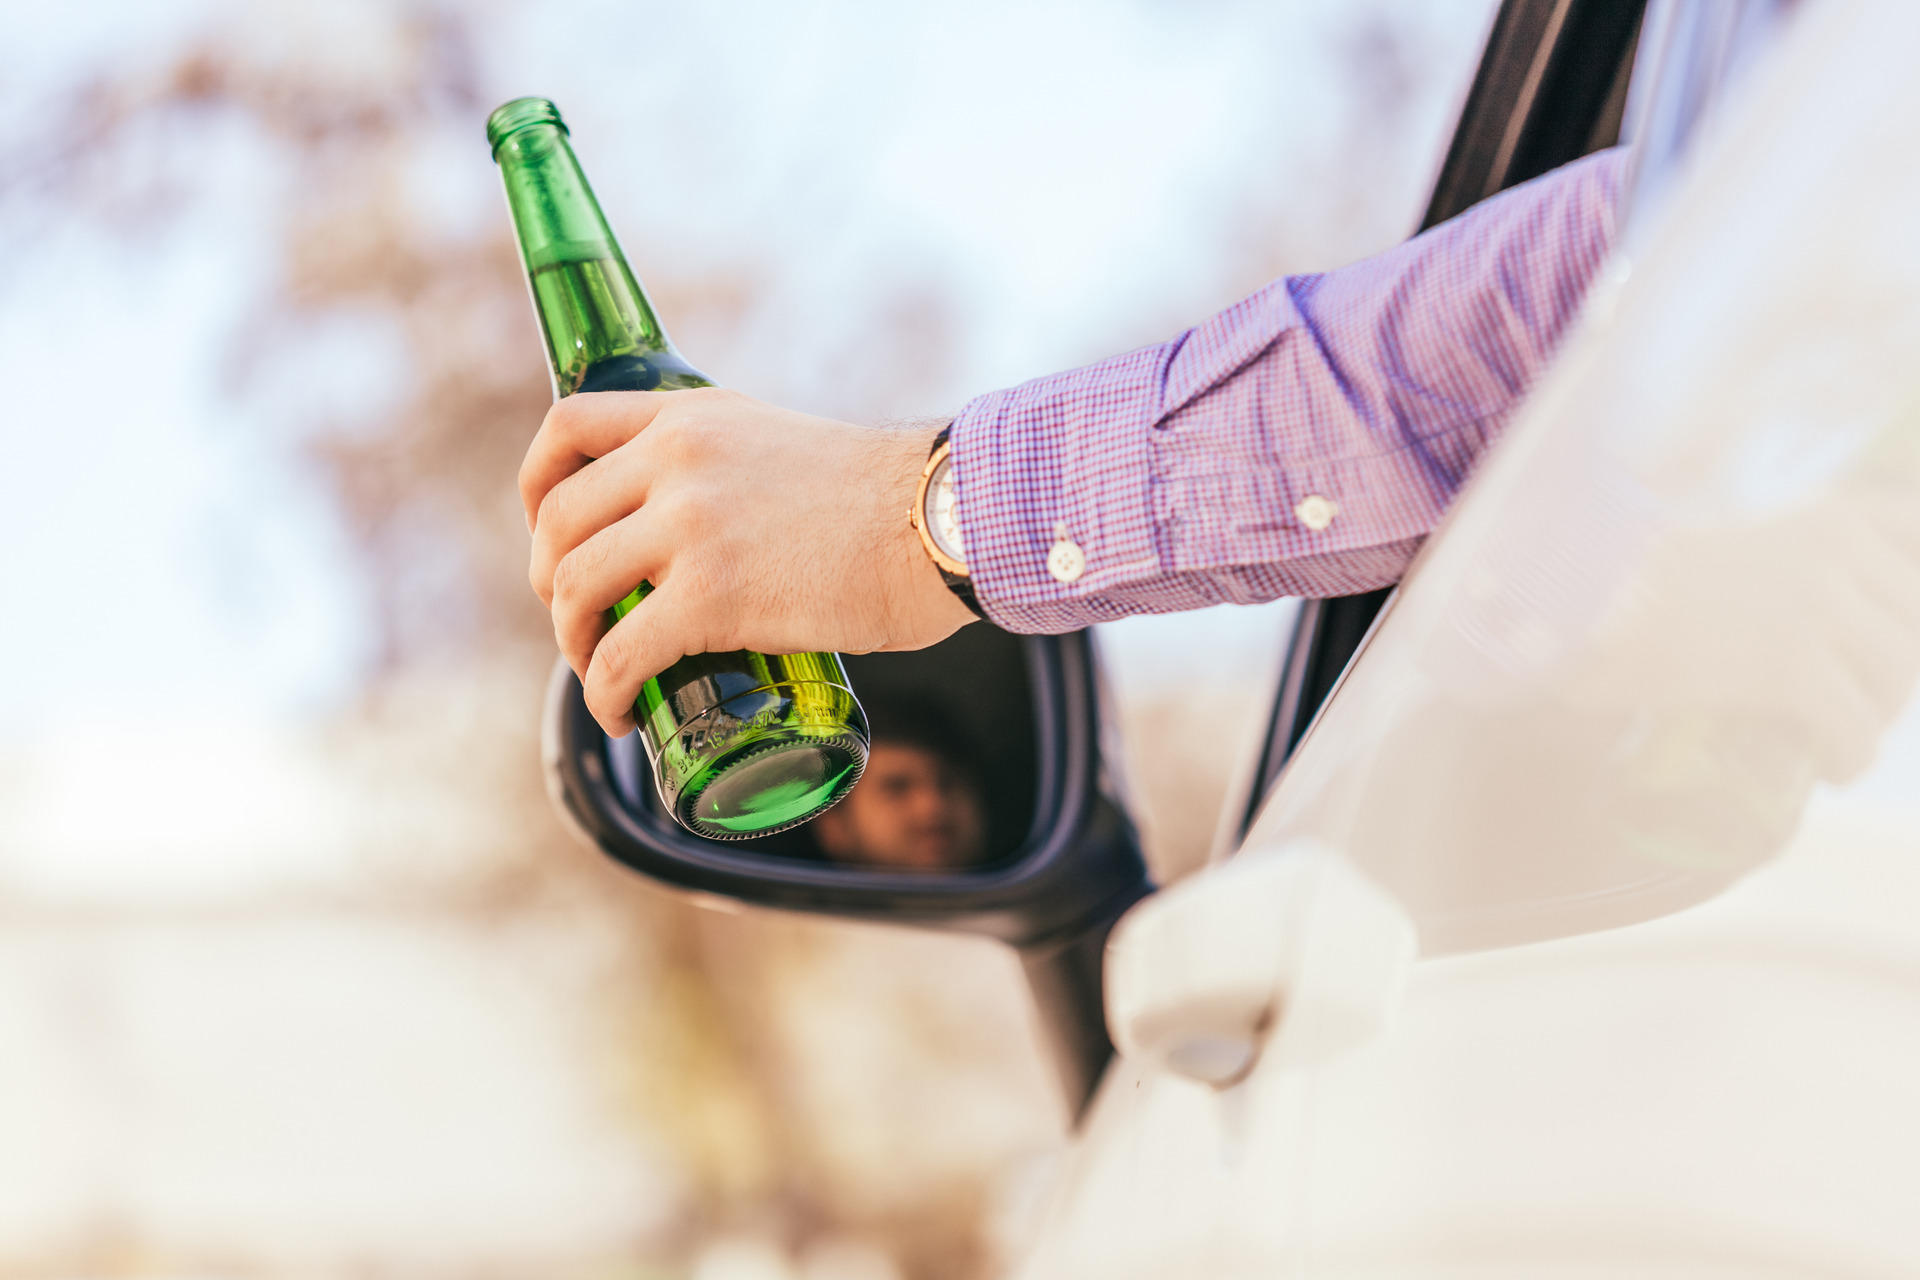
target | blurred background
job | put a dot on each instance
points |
(298, 974)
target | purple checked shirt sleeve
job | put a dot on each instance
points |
(1302, 442)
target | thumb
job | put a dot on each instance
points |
(654, 636)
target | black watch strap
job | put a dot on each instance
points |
(963, 587)
(960, 586)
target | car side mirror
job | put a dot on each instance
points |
(1055, 862)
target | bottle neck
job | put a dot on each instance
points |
(593, 313)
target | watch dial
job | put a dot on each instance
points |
(943, 517)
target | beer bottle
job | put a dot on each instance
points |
(742, 744)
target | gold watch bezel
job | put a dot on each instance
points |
(916, 514)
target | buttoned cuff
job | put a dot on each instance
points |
(1031, 473)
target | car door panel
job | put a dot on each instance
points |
(1638, 752)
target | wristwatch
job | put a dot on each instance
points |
(937, 520)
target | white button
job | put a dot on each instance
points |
(1316, 512)
(1066, 561)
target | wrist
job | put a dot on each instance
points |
(923, 609)
(935, 516)
(940, 573)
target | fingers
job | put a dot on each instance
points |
(598, 574)
(639, 647)
(594, 498)
(577, 430)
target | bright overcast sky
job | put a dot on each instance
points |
(1076, 177)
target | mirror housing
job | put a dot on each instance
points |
(1054, 896)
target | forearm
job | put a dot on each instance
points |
(1302, 442)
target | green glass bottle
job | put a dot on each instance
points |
(742, 744)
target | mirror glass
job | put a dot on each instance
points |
(951, 781)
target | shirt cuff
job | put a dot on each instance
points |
(1068, 457)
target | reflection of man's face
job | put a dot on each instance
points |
(911, 810)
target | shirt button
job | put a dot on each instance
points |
(1066, 561)
(1316, 512)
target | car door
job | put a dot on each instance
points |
(1577, 939)
(1551, 87)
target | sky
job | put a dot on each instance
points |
(1074, 178)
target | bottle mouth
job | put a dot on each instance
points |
(521, 113)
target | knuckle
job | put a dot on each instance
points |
(604, 709)
(554, 507)
(572, 573)
(678, 440)
(608, 677)
(686, 515)
(698, 428)
(577, 637)
(556, 429)
(562, 416)
(709, 399)
(614, 661)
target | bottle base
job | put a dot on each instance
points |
(770, 785)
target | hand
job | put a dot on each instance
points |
(759, 528)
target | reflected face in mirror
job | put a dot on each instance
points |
(913, 809)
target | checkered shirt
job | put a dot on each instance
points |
(1303, 442)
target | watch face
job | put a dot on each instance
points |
(943, 517)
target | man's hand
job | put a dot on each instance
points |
(759, 528)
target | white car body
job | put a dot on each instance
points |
(1582, 936)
